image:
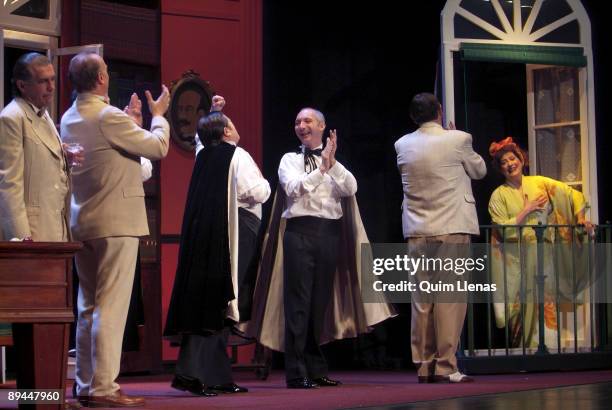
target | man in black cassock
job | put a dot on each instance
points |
(218, 242)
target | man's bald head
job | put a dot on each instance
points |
(84, 71)
(309, 127)
(318, 114)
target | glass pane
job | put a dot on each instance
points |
(526, 7)
(556, 95)
(38, 9)
(558, 153)
(508, 7)
(484, 10)
(465, 29)
(551, 11)
(568, 34)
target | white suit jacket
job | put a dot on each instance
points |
(108, 196)
(34, 184)
(436, 166)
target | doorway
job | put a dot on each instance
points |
(491, 104)
(13, 44)
(11, 54)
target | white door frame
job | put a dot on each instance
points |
(43, 44)
(515, 33)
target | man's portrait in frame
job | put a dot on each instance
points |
(191, 98)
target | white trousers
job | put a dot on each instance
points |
(106, 275)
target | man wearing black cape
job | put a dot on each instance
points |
(218, 241)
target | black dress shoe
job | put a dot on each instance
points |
(228, 388)
(324, 381)
(301, 383)
(192, 386)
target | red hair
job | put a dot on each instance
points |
(498, 149)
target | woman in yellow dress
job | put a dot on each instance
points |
(530, 200)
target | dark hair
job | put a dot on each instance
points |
(424, 107)
(203, 106)
(21, 70)
(211, 128)
(83, 71)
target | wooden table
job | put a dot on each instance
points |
(36, 296)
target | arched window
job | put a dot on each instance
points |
(551, 39)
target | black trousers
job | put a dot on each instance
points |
(205, 357)
(310, 256)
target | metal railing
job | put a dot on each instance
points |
(587, 315)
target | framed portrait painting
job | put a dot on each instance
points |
(190, 99)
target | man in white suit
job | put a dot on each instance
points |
(108, 215)
(436, 166)
(34, 184)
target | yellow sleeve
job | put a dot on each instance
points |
(499, 211)
(576, 198)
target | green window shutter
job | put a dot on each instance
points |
(507, 53)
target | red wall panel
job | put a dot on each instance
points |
(220, 40)
(195, 43)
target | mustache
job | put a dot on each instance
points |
(183, 123)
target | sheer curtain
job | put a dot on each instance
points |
(557, 117)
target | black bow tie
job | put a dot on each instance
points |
(316, 152)
(309, 152)
(309, 161)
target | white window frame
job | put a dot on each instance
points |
(49, 27)
(530, 68)
(514, 33)
(43, 44)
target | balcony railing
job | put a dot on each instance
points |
(555, 312)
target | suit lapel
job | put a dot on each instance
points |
(46, 133)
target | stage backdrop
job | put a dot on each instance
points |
(220, 40)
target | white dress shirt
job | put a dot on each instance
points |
(146, 169)
(252, 188)
(314, 194)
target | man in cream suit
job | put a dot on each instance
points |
(436, 166)
(108, 215)
(34, 185)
